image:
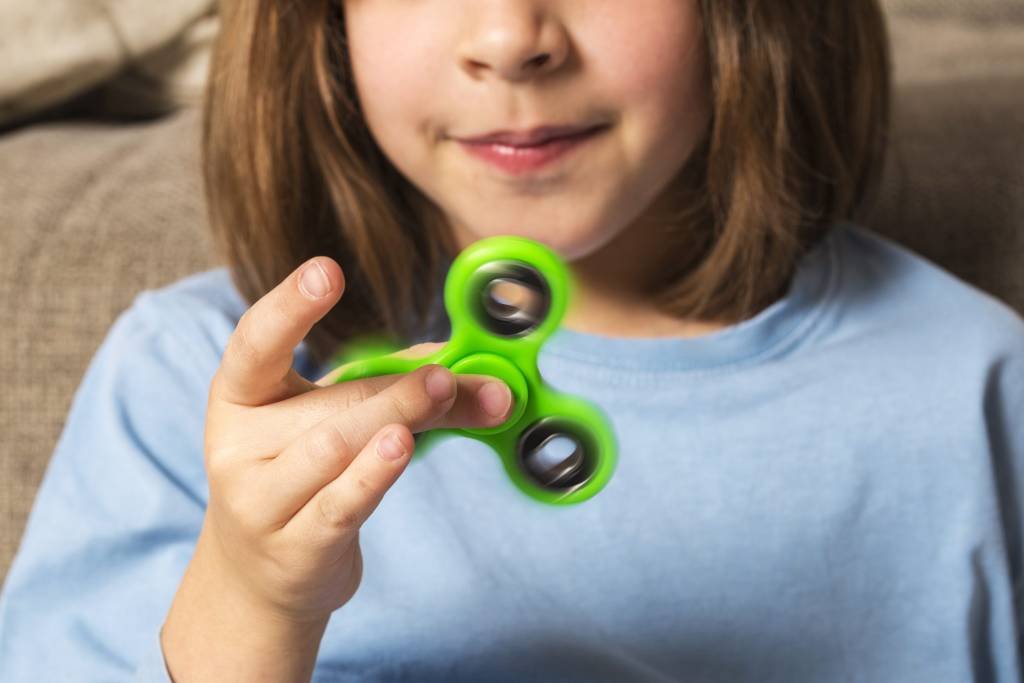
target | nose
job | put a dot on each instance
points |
(514, 39)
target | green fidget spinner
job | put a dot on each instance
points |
(505, 296)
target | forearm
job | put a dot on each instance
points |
(214, 633)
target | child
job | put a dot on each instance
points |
(820, 432)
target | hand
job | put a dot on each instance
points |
(296, 467)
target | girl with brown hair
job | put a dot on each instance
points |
(819, 438)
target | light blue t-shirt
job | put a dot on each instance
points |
(828, 491)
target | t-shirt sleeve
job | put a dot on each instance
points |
(117, 514)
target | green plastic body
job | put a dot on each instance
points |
(474, 349)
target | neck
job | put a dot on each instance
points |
(612, 284)
(612, 294)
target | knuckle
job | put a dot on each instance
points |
(224, 451)
(354, 393)
(217, 471)
(366, 488)
(328, 445)
(223, 445)
(400, 409)
(362, 392)
(337, 516)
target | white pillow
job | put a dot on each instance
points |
(52, 50)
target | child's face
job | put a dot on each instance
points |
(430, 71)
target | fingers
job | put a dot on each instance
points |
(481, 401)
(275, 426)
(340, 508)
(279, 424)
(289, 481)
(471, 409)
(256, 368)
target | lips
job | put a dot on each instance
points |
(530, 138)
(523, 159)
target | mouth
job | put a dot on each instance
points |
(532, 137)
(518, 159)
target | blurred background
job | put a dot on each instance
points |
(100, 193)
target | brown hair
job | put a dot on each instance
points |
(796, 141)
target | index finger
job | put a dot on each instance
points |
(256, 368)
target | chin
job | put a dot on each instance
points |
(571, 243)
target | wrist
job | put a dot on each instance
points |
(216, 630)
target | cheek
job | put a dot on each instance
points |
(391, 77)
(662, 78)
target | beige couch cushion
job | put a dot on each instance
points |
(143, 57)
(91, 215)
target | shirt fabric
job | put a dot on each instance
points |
(828, 491)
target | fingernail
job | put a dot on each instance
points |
(390, 447)
(314, 282)
(440, 384)
(495, 398)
